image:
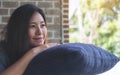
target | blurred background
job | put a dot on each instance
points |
(69, 21)
(96, 22)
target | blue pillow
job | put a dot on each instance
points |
(72, 59)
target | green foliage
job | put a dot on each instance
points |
(101, 21)
(72, 30)
(75, 19)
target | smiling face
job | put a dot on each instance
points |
(37, 31)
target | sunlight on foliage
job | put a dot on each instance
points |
(97, 22)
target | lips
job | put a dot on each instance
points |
(38, 39)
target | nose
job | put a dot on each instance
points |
(38, 31)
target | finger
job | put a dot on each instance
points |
(40, 49)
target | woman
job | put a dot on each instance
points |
(25, 37)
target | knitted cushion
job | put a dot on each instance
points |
(72, 59)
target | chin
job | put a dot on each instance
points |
(39, 44)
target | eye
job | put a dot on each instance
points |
(43, 25)
(32, 25)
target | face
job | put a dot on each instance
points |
(37, 30)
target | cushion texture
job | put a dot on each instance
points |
(72, 59)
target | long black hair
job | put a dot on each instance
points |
(16, 41)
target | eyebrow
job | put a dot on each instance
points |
(35, 22)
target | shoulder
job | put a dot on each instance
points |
(2, 52)
(3, 59)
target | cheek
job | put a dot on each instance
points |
(45, 32)
(31, 33)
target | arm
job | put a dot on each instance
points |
(19, 67)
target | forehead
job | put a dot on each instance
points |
(36, 17)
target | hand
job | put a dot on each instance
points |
(52, 44)
(42, 48)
